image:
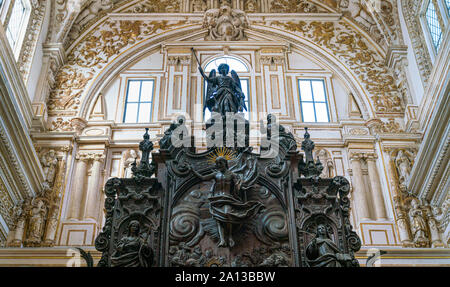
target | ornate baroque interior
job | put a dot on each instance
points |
(81, 80)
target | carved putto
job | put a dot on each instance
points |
(225, 24)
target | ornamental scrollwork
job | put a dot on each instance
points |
(353, 49)
(94, 52)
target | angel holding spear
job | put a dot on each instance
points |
(224, 93)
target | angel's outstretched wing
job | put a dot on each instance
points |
(210, 88)
(247, 174)
(237, 81)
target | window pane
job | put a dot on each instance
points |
(235, 64)
(305, 91)
(144, 113)
(147, 91)
(318, 91)
(321, 112)
(313, 101)
(447, 2)
(434, 25)
(133, 91)
(244, 86)
(15, 22)
(130, 113)
(308, 112)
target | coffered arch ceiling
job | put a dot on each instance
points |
(103, 41)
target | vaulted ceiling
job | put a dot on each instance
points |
(70, 18)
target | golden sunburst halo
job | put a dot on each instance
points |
(224, 152)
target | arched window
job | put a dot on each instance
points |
(16, 27)
(242, 70)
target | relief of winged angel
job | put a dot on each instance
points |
(228, 202)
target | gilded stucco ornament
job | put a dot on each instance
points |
(411, 12)
(93, 53)
(380, 127)
(295, 6)
(156, 6)
(225, 24)
(351, 48)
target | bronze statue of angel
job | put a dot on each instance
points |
(224, 93)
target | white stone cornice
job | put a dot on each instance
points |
(396, 54)
(56, 51)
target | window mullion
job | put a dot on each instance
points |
(313, 100)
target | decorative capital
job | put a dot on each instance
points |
(355, 156)
(370, 156)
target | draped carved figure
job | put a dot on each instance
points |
(404, 165)
(418, 225)
(133, 250)
(130, 158)
(227, 198)
(323, 252)
(49, 163)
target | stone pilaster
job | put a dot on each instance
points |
(93, 190)
(359, 191)
(377, 193)
(78, 187)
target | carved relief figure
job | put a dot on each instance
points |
(293, 6)
(403, 165)
(227, 199)
(37, 222)
(130, 158)
(418, 225)
(198, 6)
(323, 252)
(327, 163)
(251, 6)
(49, 162)
(133, 249)
(224, 93)
(225, 24)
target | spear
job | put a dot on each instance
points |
(195, 55)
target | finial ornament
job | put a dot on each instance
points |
(309, 168)
(145, 169)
